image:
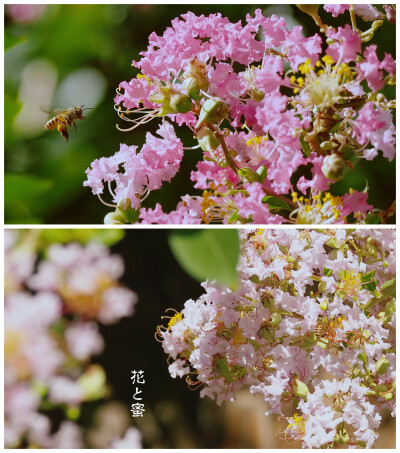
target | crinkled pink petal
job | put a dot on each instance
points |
(348, 44)
(254, 207)
(355, 202)
(336, 9)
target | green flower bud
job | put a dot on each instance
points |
(257, 95)
(114, 218)
(276, 319)
(328, 145)
(323, 305)
(381, 365)
(267, 334)
(321, 287)
(322, 344)
(300, 389)
(39, 388)
(181, 103)
(93, 383)
(333, 167)
(192, 85)
(207, 139)
(388, 396)
(73, 413)
(212, 111)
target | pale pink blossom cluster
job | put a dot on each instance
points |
(264, 102)
(311, 327)
(53, 300)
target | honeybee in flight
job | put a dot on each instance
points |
(65, 118)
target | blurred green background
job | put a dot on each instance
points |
(59, 56)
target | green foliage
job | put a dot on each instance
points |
(21, 193)
(11, 40)
(275, 204)
(108, 237)
(11, 109)
(207, 253)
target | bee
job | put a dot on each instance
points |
(65, 118)
(320, 328)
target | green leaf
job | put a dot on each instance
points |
(274, 203)
(62, 236)
(11, 40)
(235, 216)
(372, 219)
(207, 254)
(368, 281)
(305, 146)
(327, 272)
(387, 289)
(363, 358)
(368, 276)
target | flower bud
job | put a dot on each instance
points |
(195, 79)
(388, 396)
(381, 365)
(207, 140)
(73, 413)
(276, 319)
(333, 167)
(181, 103)
(266, 334)
(212, 111)
(257, 95)
(192, 85)
(113, 218)
(328, 145)
(93, 383)
(323, 305)
(300, 389)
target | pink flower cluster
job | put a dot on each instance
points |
(262, 110)
(51, 333)
(311, 327)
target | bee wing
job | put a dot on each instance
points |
(51, 111)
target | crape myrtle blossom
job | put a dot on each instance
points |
(264, 103)
(54, 297)
(311, 327)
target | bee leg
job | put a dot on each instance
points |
(74, 126)
(63, 130)
(64, 133)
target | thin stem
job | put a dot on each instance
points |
(221, 140)
(353, 18)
